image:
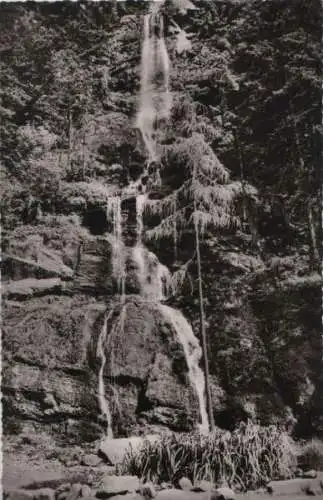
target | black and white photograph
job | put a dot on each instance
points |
(161, 216)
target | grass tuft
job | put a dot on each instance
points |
(246, 458)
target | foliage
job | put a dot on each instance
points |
(205, 197)
(311, 455)
(246, 458)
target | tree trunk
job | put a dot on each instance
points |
(203, 333)
(241, 165)
(69, 119)
(314, 257)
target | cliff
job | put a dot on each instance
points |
(70, 82)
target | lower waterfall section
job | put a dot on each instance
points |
(193, 354)
(156, 285)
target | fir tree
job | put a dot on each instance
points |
(204, 201)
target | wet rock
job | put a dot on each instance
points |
(185, 484)
(91, 460)
(147, 491)
(223, 494)
(117, 485)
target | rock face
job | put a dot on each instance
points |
(50, 366)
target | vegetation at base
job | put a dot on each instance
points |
(246, 458)
(311, 455)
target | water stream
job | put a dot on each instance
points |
(193, 354)
(155, 97)
(118, 258)
(103, 403)
(156, 285)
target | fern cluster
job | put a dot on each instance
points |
(245, 459)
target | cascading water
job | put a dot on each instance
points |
(154, 279)
(193, 354)
(118, 248)
(140, 206)
(155, 97)
(104, 405)
(156, 285)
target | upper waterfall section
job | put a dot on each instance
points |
(155, 96)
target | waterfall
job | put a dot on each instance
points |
(154, 279)
(193, 354)
(118, 248)
(155, 97)
(140, 206)
(104, 405)
(156, 285)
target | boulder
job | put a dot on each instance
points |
(147, 491)
(117, 485)
(203, 486)
(19, 494)
(63, 488)
(114, 450)
(61, 496)
(310, 474)
(37, 479)
(75, 492)
(44, 494)
(126, 496)
(86, 491)
(294, 487)
(24, 494)
(91, 460)
(223, 493)
(185, 484)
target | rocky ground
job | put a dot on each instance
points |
(50, 481)
(72, 473)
